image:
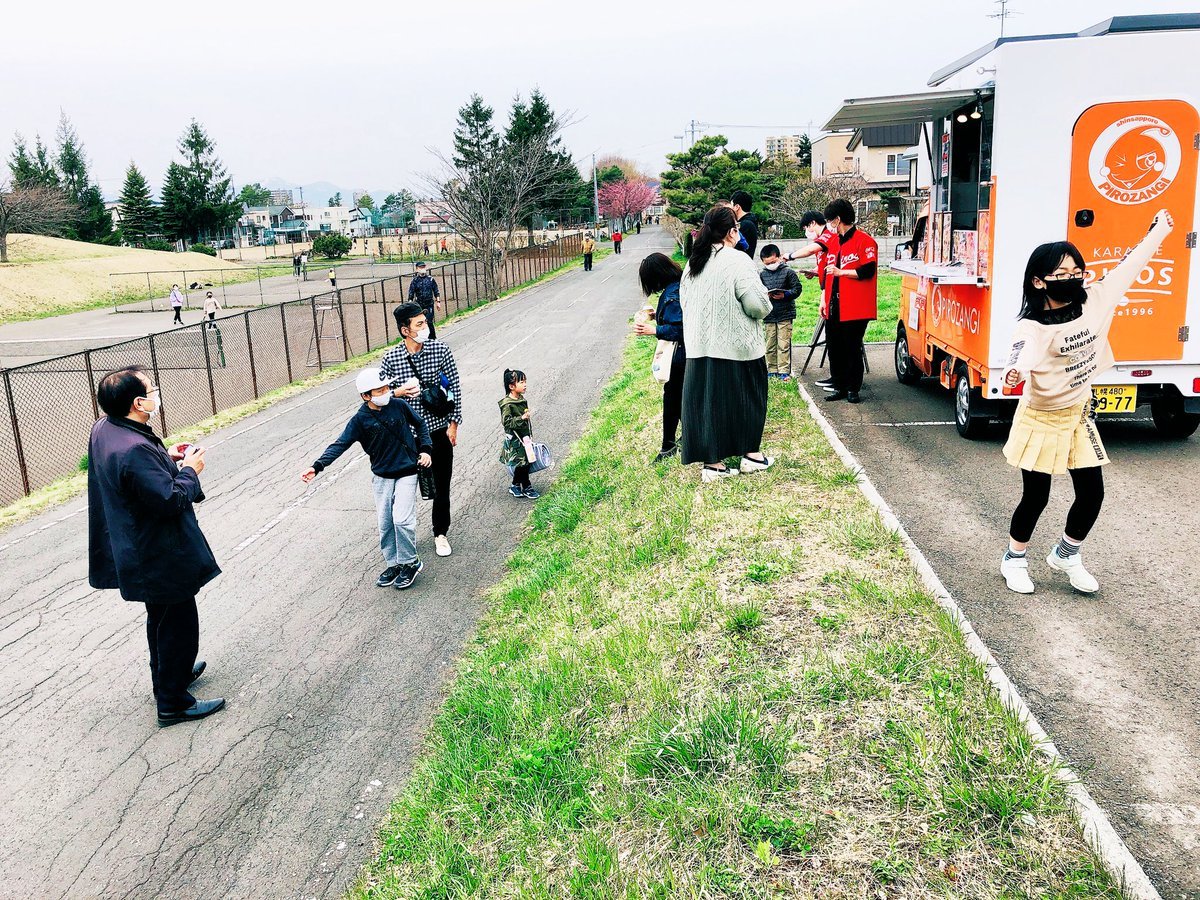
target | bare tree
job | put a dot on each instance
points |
(488, 194)
(800, 194)
(32, 210)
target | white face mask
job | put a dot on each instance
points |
(382, 400)
(771, 267)
(157, 403)
(813, 233)
(421, 336)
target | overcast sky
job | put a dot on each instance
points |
(290, 91)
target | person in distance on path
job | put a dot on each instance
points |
(143, 538)
(177, 305)
(333, 279)
(211, 307)
(1059, 348)
(617, 237)
(589, 248)
(424, 291)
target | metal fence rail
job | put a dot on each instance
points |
(47, 408)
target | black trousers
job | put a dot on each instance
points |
(587, 262)
(521, 476)
(616, 246)
(673, 399)
(844, 340)
(178, 320)
(443, 471)
(1089, 497)
(429, 314)
(173, 634)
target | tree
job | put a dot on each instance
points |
(198, 196)
(398, 208)
(22, 166)
(609, 175)
(139, 217)
(366, 201)
(627, 167)
(625, 199)
(332, 244)
(32, 210)
(804, 152)
(802, 194)
(562, 187)
(254, 195)
(335, 200)
(93, 222)
(707, 172)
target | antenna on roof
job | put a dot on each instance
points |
(1004, 14)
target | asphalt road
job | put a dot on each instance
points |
(330, 680)
(1113, 678)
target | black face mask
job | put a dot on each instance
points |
(1070, 290)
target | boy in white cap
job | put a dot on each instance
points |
(396, 441)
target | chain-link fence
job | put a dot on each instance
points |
(47, 408)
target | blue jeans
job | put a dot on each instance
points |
(396, 508)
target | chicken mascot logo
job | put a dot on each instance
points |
(1134, 159)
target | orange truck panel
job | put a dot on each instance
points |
(1128, 160)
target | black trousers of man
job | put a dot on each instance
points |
(173, 634)
(430, 312)
(844, 340)
(616, 246)
(443, 471)
(587, 262)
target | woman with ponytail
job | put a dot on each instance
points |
(725, 385)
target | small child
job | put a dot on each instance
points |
(517, 450)
(397, 442)
(783, 287)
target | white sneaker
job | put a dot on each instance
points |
(1081, 579)
(750, 464)
(708, 476)
(1016, 575)
(441, 545)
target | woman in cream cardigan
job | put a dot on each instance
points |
(725, 385)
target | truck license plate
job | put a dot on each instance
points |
(1115, 398)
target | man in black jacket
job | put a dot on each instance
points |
(747, 223)
(425, 293)
(143, 537)
(397, 442)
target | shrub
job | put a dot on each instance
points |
(331, 245)
(158, 244)
(202, 248)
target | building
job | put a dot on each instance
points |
(268, 225)
(784, 147)
(281, 198)
(830, 156)
(883, 156)
(433, 215)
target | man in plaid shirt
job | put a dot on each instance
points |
(432, 364)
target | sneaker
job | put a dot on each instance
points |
(1081, 579)
(825, 383)
(784, 376)
(749, 465)
(709, 475)
(388, 576)
(531, 493)
(408, 575)
(1016, 574)
(441, 545)
(517, 491)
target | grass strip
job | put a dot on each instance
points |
(731, 690)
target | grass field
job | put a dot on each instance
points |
(51, 276)
(731, 690)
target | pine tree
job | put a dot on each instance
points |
(93, 223)
(22, 166)
(47, 175)
(209, 205)
(139, 218)
(175, 210)
(254, 195)
(475, 138)
(804, 152)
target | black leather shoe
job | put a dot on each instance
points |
(199, 710)
(852, 397)
(836, 395)
(198, 670)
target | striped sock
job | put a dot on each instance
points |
(1066, 548)
(1010, 553)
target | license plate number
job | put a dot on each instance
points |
(1115, 398)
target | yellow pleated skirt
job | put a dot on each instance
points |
(1054, 440)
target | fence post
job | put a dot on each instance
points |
(87, 362)
(250, 353)
(149, 295)
(387, 335)
(287, 350)
(212, 388)
(12, 415)
(258, 272)
(224, 296)
(162, 416)
(316, 333)
(342, 323)
(366, 319)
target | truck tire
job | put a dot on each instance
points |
(906, 368)
(967, 420)
(1171, 421)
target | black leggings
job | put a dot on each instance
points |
(521, 476)
(1089, 497)
(673, 400)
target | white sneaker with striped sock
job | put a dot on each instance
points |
(1015, 570)
(1081, 579)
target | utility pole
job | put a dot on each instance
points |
(595, 192)
(691, 129)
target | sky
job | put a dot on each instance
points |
(290, 92)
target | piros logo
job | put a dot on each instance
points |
(1134, 159)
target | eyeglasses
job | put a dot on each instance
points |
(1064, 277)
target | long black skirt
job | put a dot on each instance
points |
(724, 408)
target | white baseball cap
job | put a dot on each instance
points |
(368, 380)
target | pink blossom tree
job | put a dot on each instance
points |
(626, 199)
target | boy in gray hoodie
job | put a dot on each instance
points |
(783, 287)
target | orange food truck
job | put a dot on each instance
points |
(1040, 138)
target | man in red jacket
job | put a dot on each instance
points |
(850, 299)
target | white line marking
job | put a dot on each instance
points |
(520, 342)
(891, 424)
(1097, 829)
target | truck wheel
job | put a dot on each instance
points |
(1171, 421)
(906, 368)
(967, 420)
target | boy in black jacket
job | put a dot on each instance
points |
(397, 442)
(783, 287)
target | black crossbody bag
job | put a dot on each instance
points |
(425, 479)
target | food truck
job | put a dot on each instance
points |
(1039, 138)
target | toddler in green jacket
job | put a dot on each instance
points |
(517, 450)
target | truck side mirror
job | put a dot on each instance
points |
(1084, 218)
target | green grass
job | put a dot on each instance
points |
(882, 329)
(730, 690)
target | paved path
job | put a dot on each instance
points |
(1112, 678)
(330, 680)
